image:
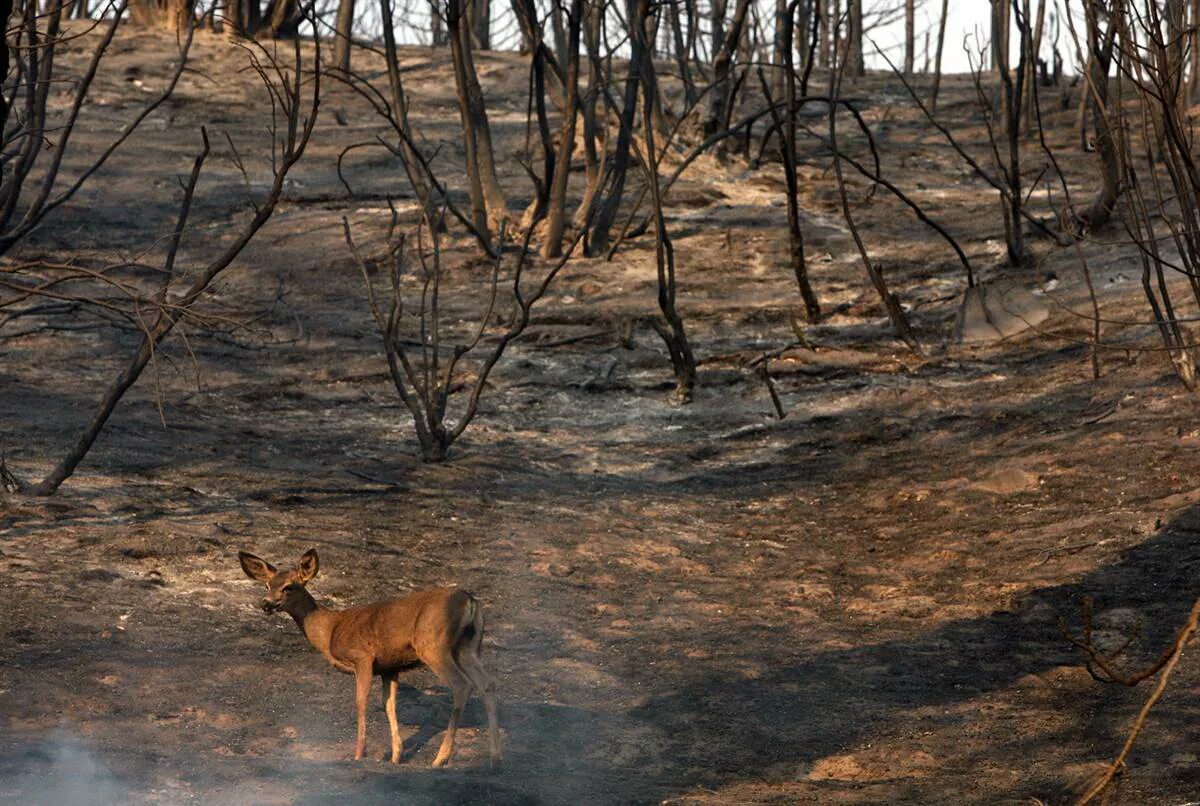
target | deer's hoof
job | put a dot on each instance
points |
(441, 761)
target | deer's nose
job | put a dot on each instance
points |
(268, 606)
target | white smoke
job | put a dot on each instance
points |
(61, 770)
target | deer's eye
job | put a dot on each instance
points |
(289, 587)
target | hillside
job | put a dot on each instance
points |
(857, 603)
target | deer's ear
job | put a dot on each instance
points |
(308, 565)
(256, 567)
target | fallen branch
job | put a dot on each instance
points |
(1168, 663)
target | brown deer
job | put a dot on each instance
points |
(441, 628)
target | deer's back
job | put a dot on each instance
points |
(399, 633)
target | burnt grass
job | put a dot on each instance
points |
(705, 604)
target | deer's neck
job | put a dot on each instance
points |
(302, 609)
(313, 620)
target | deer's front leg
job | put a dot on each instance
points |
(362, 681)
(390, 684)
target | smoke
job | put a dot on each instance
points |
(60, 770)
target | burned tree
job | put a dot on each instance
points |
(609, 206)
(556, 212)
(343, 32)
(32, 185)
(671, 330)
(157, 313)
(427, 373)
(173, 15)
(489, 209)
(1101, 29)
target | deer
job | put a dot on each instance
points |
(441, 628)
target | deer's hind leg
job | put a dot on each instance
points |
(468, 660)
(446, 668)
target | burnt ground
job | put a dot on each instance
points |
(856, 604)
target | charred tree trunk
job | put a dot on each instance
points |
(607, 214)
(937, 59)
(489, 209)
(721, 95)
(854, 63)
(283, 19)
(6, 10)
(480, 12)
(594, 150)
(1012, 83)
(890, 302)
(556, 215)
(673, 333)
(1194, 51)
(438, 37)
(825, 14)
(343, 31)
(416, 177)
(803, 21)
(682, 58)
(910, 36)
(533, 42)
(1100, 53)
(812, 306)
(538, 206)
(999, 40)
(173, 15)
(1031, 65)
(559, 29)
(782, 22)
(242, 18)
(717, 26)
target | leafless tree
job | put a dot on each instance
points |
(1003, 120)
(173, 15)
(488, 206)
(787, 127)
(427, 373)
(855, 66)
(720, 97)
(1102, 24)
(343, 33)
(910, 35)
(1163, 214)
(32, 185)
(937, 60)
(672, 330)
(890, 302)
(556, 212)
(156, 314)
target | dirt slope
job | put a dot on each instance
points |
(856, 604)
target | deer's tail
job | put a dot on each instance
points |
(468, 635)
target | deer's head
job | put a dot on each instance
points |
(283, 587)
